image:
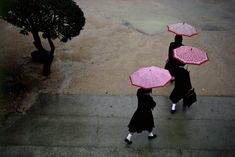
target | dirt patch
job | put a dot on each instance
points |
(119, 37)
(18, 83)
(21, 79)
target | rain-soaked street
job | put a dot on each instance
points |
(84, 107)
(81, 125)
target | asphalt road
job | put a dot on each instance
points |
(79, 125)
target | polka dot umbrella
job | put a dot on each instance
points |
(150, 77)
(183, 29)
(190, 55)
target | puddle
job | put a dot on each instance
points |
(148, 25)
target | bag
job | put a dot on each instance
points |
(190, 97)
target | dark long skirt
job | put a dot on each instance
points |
(182, 85)
(141, 120)
(176, 95)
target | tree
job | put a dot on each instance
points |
(62, 19)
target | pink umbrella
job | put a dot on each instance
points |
(190, 55)
(150, 77)
(183, 29)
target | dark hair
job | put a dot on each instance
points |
(146, 90)
(178, 38)
(142, 92)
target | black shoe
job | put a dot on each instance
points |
(173, 111)
(128, 141)
(152, 137)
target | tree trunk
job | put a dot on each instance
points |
(42, 55)
(37, 41)
(47, 64)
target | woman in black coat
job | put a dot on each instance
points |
(143, 117)
(172, 64)
(182, 86)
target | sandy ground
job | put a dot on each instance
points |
(121, 36)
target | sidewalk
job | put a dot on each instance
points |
(79, 125)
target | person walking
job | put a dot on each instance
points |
(182, 87)
(172, 64)
(142, 119)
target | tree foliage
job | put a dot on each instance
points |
(61, 19)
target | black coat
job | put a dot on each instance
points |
(143, 117)
(182, 85)
(172, 63)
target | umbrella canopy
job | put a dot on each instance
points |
(190, 55)
(183, 29)
(150, 77)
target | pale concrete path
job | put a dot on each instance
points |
(95, 126)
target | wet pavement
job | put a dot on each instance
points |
(82, 125)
